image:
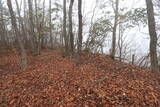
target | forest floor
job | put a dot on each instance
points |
(51, 80)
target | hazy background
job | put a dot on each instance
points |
(139, 35)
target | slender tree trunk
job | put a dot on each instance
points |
(3, 33)
(153, 35)
(80, 25)
(133, 59)
(38, 27)
(113, 51)
(50, 23)
(120, 43)
(43, 23)
(21, 22)
(71, 29)
(24, 8)
(64, 28)
(31, 25)
(91, 28)
(25, 22)
(19, 38)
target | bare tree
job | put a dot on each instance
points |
(31, 24)
(42, 25)
(64, 28)
(3, 33)
(21, 21)
(113, 51)
(91, 27)
(38, 27)
(70, 28)
(19, 37)
(39, 18)
(120, 42)
(50, 23)
(80, 25)
(153, 35)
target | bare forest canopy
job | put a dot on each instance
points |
(108, 26)
(115, 27)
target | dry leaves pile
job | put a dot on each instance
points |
(54, 81)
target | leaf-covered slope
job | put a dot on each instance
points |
(54, 81)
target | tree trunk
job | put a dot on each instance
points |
(3, 33)
(19, 38)
(120, 45)
(31, 25)
(50, 23)
(21, 22)
(38, 27)
(43, 24)
(64, 28)
(113, 51)
(71, 29)
(153, 35)
(133, 59)
(80, 25)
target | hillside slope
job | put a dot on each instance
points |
(54, 81)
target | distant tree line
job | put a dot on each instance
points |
(33, 27)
